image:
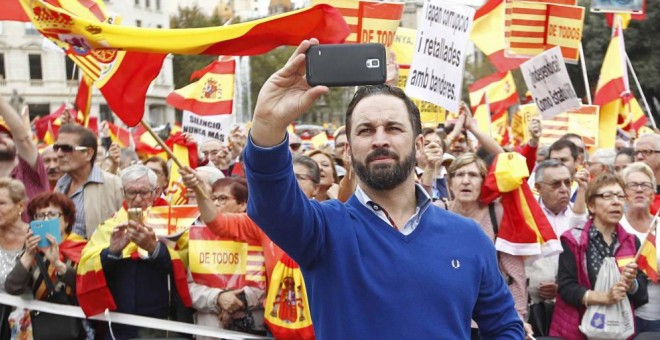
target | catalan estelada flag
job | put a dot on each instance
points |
(647, 260)
(92, 290)
(501, 90)
(211, 94)
(524, 229)
(488, 35)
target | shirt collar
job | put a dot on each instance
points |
(548, 211)
(95, 176)
(423, 199)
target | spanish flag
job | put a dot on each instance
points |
(212, 94)
(93, 293)
(12, 11)
(488, 34)
(524, 230)
(501, 90)
(68, 22)
(631, 116)
(84, 100)
(186, 153)
(120, 135)
(647, 259)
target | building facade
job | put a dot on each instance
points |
(35, 73)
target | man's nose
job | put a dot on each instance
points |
(380, 138)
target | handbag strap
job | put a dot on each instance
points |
(44, 273)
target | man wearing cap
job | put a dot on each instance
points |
(19, 158)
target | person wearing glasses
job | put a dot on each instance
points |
(647, 150)
(125, 268)
(640, 183)
(60, 258)
(96, 193)
(295, 145)
(585, 248)
(19, 158)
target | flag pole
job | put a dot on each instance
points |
(166, 149)
(587, 88)
(639, 87)
(651, 228)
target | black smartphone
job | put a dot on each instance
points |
(346, 64)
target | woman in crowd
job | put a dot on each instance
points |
(328, 187)
(640, 188)
(622, 159)
(60, 258)
(13, 231)
(219, 306)
(159, 167)
(466, 175)
(585, 248)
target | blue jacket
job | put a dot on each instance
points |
(366, 280)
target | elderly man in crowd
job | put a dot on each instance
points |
(52, 164)
(601, 161)
(218, 155)
(19, 158)
(647, 150)
(96, 194)
(136, 268)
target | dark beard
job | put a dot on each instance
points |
(384, 176)
(7, 155)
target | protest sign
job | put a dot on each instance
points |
(403, 48)
(583, 121)
(204, 127)
(547, 79)
(436, 73)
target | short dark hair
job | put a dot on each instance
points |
(312, 166)
(237, 186)
(57, 199)
(602, 180)
(562, 144)
(85, 137)
(630, 152)
(161, 162)
(372, 90)
(428, 131)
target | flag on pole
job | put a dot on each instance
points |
(84, 101)
(647, 259)
(119, 135)
(488, 34)
(613, 80)
(631, 116)
(501, 89)
(211, 94)
(626, 17)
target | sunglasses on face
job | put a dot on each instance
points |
(68, 148)
(295, 146)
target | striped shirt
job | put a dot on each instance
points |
(78, 197)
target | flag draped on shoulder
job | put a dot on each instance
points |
(488, 34)
(92, 290)
(211, 94)
(524, 229)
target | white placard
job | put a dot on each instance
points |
(547, 79)
(436, 73)
(204, 127)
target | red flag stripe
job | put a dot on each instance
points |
(566, 12)
(530, 11)
(609, 92)
(522, 34)
(384, 11)
(486, 8)
(502, 63)
(522, 22)
(526, 45)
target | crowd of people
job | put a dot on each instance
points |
(387, 226)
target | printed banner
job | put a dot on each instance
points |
(547, 79)
(583, 121)
(403, 49)
(436, 73)
(204, 127)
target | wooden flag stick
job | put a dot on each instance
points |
(166, 149)
(651, 228)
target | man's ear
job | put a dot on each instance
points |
(419, 143)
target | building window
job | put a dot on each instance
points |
(39, 110)
(158, 5)
(137, 3)
(30, 29)
(71, 70)
(35, 66)
(159, 26)
(147, 3)
(3, 75)
(105, 114)
(138, 23)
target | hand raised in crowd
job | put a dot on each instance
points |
(433, 154)
(188, 137)
(284, 97)
(31, 242)
(535, 130)
(191, 180)
(464, 110)
(105, 129)
(115, 153)
(582, 177)
(118, 239)
(143, 236)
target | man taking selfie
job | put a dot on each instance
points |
(387, 264)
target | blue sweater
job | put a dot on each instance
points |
(366, 280)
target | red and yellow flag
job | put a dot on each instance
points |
(647, 259)
(500, 88)
(84, 100)
(613, 80)
(212, 94)
(369, 21)
(631, 116)
(120, 135)
(92, 290)
(12, 11)
(488, 35)
(524, 229)
(626, 17)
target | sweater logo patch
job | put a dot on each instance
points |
(455, 264)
